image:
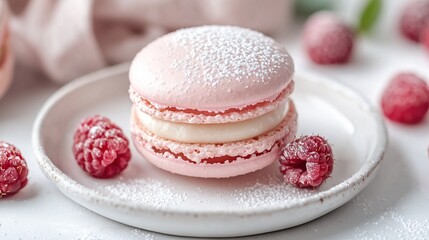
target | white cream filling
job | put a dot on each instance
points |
(214, 133)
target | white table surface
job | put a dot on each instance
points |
(394, 206)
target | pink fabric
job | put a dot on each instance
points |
(68, 38)
(6, 57)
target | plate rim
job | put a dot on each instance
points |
(64, 183)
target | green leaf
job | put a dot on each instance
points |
(369, 15)
(305, 8)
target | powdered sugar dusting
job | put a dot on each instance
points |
(140, 234)
(213, 69)
(387, 221)
(270, 191)
(145, 191)
(226, 53)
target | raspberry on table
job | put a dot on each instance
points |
(425, 38)
(307, 161)
(327, 39)
(13, 170)
(100, 147)
(414, 19)
(406, 99)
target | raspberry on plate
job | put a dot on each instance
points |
(414, 19)
(100, 147)
(327, 39)
(307, 161)
(406, 99)
(13, 170)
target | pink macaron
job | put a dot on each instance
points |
(6, 57)
(212, 101)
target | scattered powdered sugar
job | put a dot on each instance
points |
(144, 235)
(96, 233)
(271, 191)
(145, 191)
(366, 205)
(89, 236)
(225, 53)
(387, 223)
(409, 228)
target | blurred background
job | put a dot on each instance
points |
(66, 39)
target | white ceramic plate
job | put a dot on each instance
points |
(150, 198)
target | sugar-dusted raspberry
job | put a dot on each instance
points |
(414, 19)
(425, 38)
(406, 99)
(100, 147)
(307, 161)
(13, 170)
(327, 39)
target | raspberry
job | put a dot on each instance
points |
(100, 147)
(414, 18)
(13, 170)
(307, 161)
(425, 38)
(406, 99)
(327, 39)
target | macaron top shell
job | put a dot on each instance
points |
(211, 68)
